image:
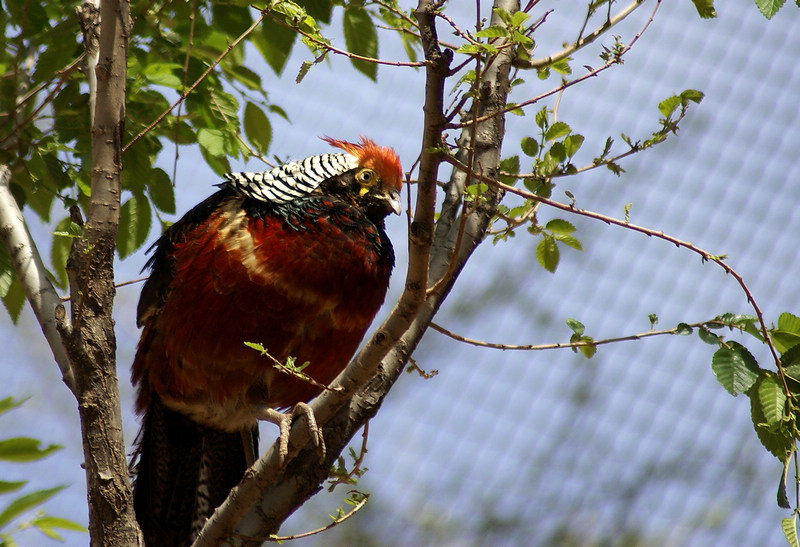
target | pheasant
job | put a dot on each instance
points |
(295, 259)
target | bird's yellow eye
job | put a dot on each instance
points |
(366, 178)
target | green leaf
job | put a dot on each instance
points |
(691, 95)
(161, 191)
(668, 106)
(789, 527)
(772, 400)
(134, 224)
(14, 299)
(509, 165)
(48, 524)
(589, 350)
(683, 329)
(477, 49)
(777, 440)
(789, 322)
(541, 118)
(735, 368)
(529, 146)
(573, 143)
(558, 152)
(494, 31)
(559, 226)
(25, 449)
(784, 340)
(163, 74)
(6, 487)
(557, 130)
(576, 326)
(9, 403)
(769, 8)
(59, 251)
(547, 253)
(274, 42)
(569, 241)
(705, 8)
(790, 361)
(707, 336)
(213, 140)
(257, 128)
(361, 38)
(26, 502)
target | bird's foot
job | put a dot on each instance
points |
(284, 422)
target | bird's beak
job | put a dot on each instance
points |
(394, 201)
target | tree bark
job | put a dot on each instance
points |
(90, 340)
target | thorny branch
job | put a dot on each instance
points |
(705, 255)
(615, 59)
(581, 42)
(574, 345)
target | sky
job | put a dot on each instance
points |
(512, 448)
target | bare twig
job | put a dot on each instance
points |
(581, 42)
(615, 59)
(573, 345)
(278, 539)
(705, 255)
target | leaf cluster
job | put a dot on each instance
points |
(24, 450)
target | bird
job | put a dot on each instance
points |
(295, 259)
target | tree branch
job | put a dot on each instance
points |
(91, 344)
(32, 273)
(581, 42)
(283, 490)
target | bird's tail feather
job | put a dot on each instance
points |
(183, 471)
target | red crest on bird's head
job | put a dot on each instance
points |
(381, 159)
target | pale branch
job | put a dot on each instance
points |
(581, 42)
(613, 60)
(89, 19)
(32, 273)
(574, 345)
(338, 51)
(705, 255)
(197, 82)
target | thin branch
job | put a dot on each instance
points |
(572, 345)
(328, 47)
(278, 539)
(705, 255)
(615, 59)
(202, 77)
(32, 274)
(63, 77)
(580, 43)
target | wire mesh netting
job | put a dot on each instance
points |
(637, 446)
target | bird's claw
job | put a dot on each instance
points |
(284, 423)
